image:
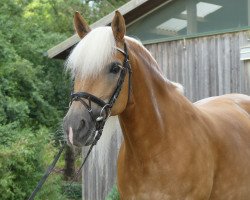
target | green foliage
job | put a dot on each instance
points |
(34, 90)
(31, 97)
(73, 191)
(99, 8)
(22, 162)
(25, 79)
(113, 194)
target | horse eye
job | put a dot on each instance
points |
(115, 68)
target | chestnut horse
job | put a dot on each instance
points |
(172, 149)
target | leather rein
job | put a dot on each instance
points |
(99, 120)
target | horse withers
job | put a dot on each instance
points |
(172, 149)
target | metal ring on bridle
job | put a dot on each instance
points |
(100, 118)
(104, 107)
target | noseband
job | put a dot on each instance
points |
(101, 119)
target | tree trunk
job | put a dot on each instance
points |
(69, 170)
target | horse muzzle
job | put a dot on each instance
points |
(79, 128)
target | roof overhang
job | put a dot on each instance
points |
(131, 11)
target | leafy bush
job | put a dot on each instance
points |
(34, 91)
(73, 191)
(113, 194)
(22, 163)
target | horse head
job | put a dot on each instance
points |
(99, 66)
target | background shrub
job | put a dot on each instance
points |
(73, 191)
(23, 159)
(113, 194)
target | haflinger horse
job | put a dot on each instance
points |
(172, 149)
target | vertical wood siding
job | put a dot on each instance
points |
(206, 66)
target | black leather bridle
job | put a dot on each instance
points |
(101, 119)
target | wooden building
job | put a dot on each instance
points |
(202, 44)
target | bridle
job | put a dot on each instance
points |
(105, 107)
(99, 121)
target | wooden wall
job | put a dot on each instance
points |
(206, 66)
(98, 179)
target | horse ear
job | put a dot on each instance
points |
(81, 26)
(118, 26)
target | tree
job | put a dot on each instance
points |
(34, 90)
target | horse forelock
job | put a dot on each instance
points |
(92, 53)
(95, 51)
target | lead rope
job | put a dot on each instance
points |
(47, 173)
(97, 137)
(53, 164)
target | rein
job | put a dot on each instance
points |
(99, 121)
(47, 173)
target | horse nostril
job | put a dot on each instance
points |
(82, 124)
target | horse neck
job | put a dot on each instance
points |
(155, 108)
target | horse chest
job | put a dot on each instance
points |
(163, 178)
(138, 183)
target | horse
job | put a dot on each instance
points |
(172, 149)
